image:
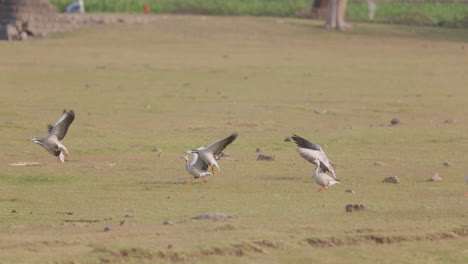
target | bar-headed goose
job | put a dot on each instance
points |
(53, 142)
(311, 152)
(211, 153)
(197, 168)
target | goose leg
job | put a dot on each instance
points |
(204, 180)
(189, 182)
(212, 170)
(322, 189)
(64, 152)
(58, 161)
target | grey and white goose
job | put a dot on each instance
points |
(323, 179)
(53, 142)
(312, 152)
(197, 168)
(212, 153)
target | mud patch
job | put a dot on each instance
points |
(386, 240)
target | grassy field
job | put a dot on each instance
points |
(431, 13)
(185, 81)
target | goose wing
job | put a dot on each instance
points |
(198, 164)
(61, 127)
(311, 152)
(220, 145)
(304, 143)
(308, 150)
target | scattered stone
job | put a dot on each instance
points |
(320, 111)
(111, 165)
(63, 224)
(157, 150)
(125, 223)
(435, 177)
(350, 191)
(260, 150)
(215, 216)
(168, 223)
(450, 121)
(169, 246)
(288, 139)
(108, 218)
(14, 211)
(379, 163)
(129, 216)
(448, 164)
(394, 121)
(355, 207)
(147, 106)
(78, 225)
(107, 229)
(265, 157)
(391, 179)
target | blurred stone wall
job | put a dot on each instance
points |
(20, 19)
(26, 15)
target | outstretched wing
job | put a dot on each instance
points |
(61, 127)
(304, 143)
(311, 152)
(220, 145)
(308, 150)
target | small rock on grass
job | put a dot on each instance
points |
(394, 121)
(260, 150)
(448, 164)
(288, 139)
(435, 177)
(391, 179)
(168, 223)
(450, 121)
(265, 157)
(350, 191)
(320, 111)
(379, 163)
(355, 207)
(107, 229)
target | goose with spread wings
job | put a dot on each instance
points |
(53, 142)
(211, 153)
(322, 179)
(197, 168)
(311, 152)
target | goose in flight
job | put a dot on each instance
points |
(311, 152)
(323, 179)
(197, 168)
(212, 153)
(53, 142)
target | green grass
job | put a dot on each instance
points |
(205, 77)
(451, 14)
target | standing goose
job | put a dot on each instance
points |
(197, 168)
(323, 179)
(311, 152)
(213, 151)
(53, 142)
